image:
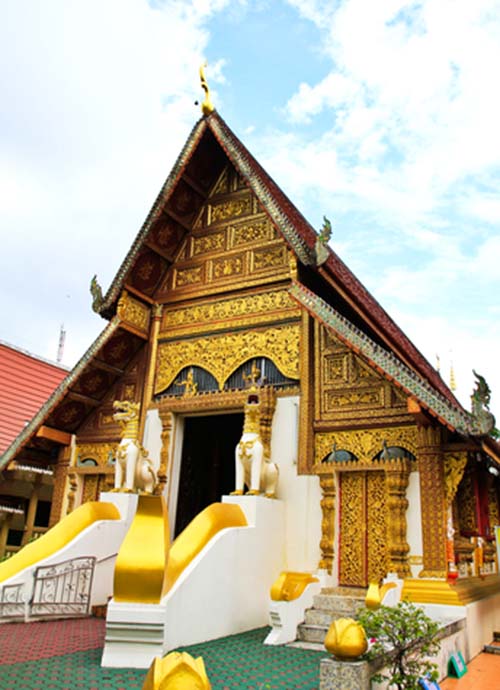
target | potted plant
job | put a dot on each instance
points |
(403, 638)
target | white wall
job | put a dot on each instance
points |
(414, 521)
(301, 494)
(152, 436)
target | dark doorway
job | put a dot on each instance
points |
(207, 463)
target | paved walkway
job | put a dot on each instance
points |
(66, 655)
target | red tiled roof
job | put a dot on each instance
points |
(26, 381)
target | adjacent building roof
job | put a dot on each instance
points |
(26, 381)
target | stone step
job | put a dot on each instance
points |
(311, 633)
(492, 648)
(313, 646)
(321, 617)
(345, 607)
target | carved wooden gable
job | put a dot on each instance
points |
(348, 389)
(232, 245)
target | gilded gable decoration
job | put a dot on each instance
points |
(365, 444)
(220, 355)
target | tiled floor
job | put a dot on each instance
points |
(66, 655)
(483, 673)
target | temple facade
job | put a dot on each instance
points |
(381, 469)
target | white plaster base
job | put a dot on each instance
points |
(134, 635)
(285, 616)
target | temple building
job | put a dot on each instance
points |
(26, 381)
(225, 286)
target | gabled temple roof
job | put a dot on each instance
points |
(298, 233)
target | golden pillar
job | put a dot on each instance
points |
(432, 502)
(60, 480)
(4, 532)
(167, 421)
(327, 483)
(397, 477)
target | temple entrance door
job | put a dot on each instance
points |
(207, 463)
(363, 548)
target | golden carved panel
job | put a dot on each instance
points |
(357, 398)
(222, 354)
(248, 309)
(222, 186)
(365, 444)
(259, 230)
(227, 267)
(352, 530)
(336, 368)
(232, 208)
(133, 311)
(205, 244)
(188, 276)
(267, 258)
(454, 467)
(100, 452)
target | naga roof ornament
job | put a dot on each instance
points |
(483, 419)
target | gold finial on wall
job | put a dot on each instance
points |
(207, 106)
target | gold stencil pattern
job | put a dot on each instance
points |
(327, 483)
(352, 566)
(222, 354)
(348, 389)
(188, 276)
(376, 532)
(255, 231)
(269, 258)
(466, 498)
(365, 444)
(432, 499)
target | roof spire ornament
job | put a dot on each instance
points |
(207, 106)
(453, 382)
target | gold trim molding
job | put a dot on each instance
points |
(240, 311)
(133, 312)
(461, 592)
(222, 354)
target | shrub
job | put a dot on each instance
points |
(403, 639)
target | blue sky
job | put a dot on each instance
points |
(382, 115)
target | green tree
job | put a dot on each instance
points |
(404, 639)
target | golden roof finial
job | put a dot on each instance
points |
(207, 106)
(453, 383)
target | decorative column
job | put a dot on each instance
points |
(167, 420)
(59, 491)
(432, 502)
(31, 512)
(147, 393)
(327, 483)
(4, 532)
(397, 477)
(454, 467)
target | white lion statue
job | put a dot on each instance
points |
(134, 469)
(253, 468)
